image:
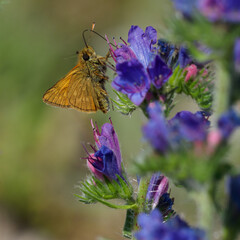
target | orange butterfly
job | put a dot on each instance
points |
(83, 87)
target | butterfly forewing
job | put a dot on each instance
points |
(82, 95)
(83, 87)
(58, 94)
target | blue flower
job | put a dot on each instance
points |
(156, 130)
(237, 54)
(106, 159)
(192, 127)
(169, 135)
(138, 65)
(105, 162)
(153, 228)
(227, 123)
(165, 204)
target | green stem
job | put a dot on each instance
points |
(222, 89)
(141, 199)
(205, 210)
(140, 206)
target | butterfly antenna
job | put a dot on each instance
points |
(84, 39)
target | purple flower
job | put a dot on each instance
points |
(237, 54)
(187, 7)
(157, 187)
(184, 58)
(153, 228)
(192, 127)
(106, 161)
(156, 130)
(232, 10)
(228, 122)
(138, 65)
(165, 135)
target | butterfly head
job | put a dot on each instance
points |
(86, 54)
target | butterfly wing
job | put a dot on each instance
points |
(58, 94)
(82, 95)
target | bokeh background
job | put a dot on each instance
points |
(40, 146)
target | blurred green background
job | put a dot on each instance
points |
(40, 146)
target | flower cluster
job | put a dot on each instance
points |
(214, 10)
(139, 65)
(186, 127)
(152, 227)
(168, 135)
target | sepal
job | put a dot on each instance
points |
(199, 88)
(93, 190)
(123, 103)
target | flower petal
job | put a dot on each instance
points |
(110, 166)
(109, 139)
(124, 53)
(158, 72)
(132, 80)
(157, 187)
(141, 43)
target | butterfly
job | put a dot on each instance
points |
(83, 87)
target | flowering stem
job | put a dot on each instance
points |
(222, 89)
(141, 199)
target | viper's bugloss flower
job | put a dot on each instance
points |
(138, 65)
(191, 127)
(156, 130)
(153, 228)
(157, 187)
(106, 161)
(228, 122)
(165, 135)
(213, 10)
(237, 54)
(232, 217)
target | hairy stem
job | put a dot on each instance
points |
(222, 89)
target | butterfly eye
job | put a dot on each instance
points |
(85, 57)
